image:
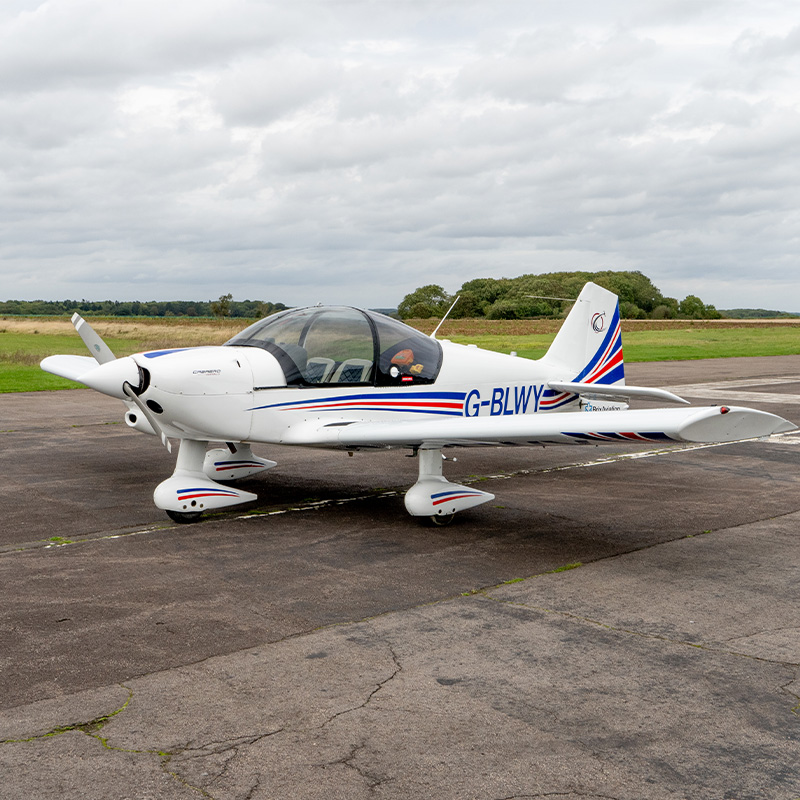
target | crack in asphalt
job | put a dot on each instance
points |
(786, 689)
(229, 749)
(380, 685)
(761, 633)
(92, 729)
(372, 781)
(253, 788)
(232, 746)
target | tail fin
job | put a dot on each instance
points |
(588, 348)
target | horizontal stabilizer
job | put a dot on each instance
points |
(601, 391)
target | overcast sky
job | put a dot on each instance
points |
(353, 150)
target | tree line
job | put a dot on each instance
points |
(550, 295)
(226, 306)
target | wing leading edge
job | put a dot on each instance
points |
(710, 424)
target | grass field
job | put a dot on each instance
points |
(25, 342)
(664, 345)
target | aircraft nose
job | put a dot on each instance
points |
(109, 377)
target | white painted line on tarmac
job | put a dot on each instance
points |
(778, 438)
(727, 390)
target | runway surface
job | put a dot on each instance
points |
(620, 622)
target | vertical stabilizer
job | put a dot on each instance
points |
(588, 348)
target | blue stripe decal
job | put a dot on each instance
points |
(616, 374)
(381, 408)
(612, 330)
(432, 396)
(208, 489)
(158, 353)
(573, 398)
(457, 491)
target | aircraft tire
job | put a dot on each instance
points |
(440, 520)
(184, 517)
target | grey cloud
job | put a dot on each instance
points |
(261, 90)
(545, 65)
(266, 148)
(95, 43)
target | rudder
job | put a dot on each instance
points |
(588, 347)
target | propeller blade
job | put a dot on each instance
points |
(131, 394)
(97, 347)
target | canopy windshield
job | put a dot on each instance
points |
(326, 345)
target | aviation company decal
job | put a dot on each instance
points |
(206, 372)
(598, 322)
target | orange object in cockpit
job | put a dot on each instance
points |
(403, 358)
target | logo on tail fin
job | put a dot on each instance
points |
(606, 365)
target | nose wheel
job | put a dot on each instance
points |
(190, 492)
(440, 520)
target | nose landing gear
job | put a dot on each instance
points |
(189, 492)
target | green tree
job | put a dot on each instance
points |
(629, 310)
(222, 307)
(692, 307)
(427, 301)
(466, 307)
(505, 308)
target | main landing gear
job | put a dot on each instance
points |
(192, 490)
(433, 496)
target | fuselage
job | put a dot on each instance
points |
(292, 377)
(237, 393)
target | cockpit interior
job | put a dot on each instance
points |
(324, 345)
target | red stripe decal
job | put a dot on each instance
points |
(207, 494)
(395, 403)
(456, 497)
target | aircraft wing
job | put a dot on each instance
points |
(708, 424)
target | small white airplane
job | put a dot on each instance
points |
(343, 378)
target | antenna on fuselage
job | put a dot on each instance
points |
(433, 335)
(543, 297)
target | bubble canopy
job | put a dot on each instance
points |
(325, 345)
